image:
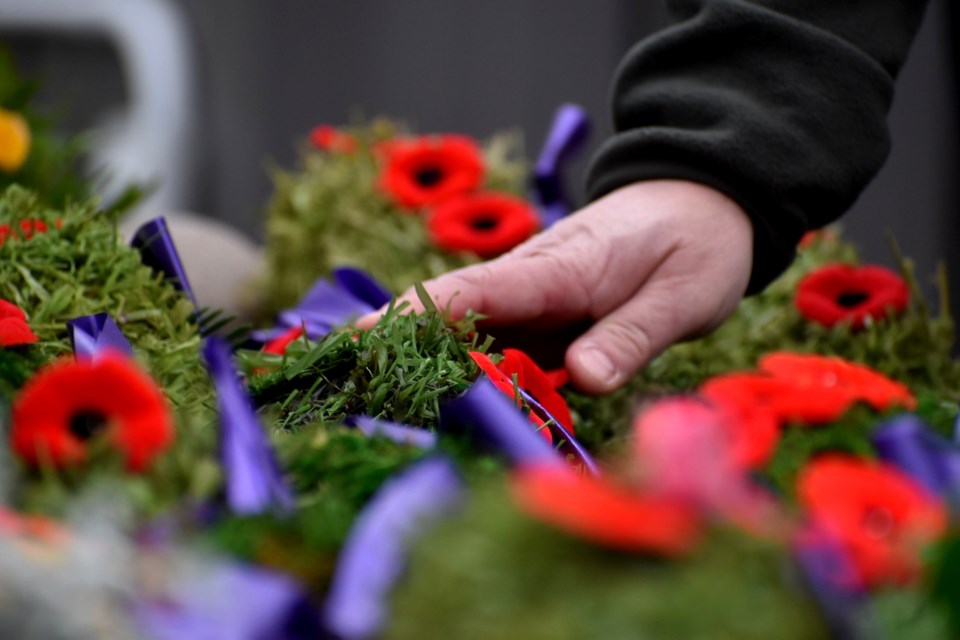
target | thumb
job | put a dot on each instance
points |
(617, 346)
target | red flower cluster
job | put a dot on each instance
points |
(427, 170)
(445, 172)
(14, 329)
(842, 293)
(65, 405)
(27, 229)
(327, 138)
(794, 387)
(606, 513)
(878, 515)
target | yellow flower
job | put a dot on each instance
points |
(14, 141)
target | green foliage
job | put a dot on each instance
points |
(401, 370)
(329, 213)
(80, 267)
(494, 573)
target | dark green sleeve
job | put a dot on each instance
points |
(780, 104)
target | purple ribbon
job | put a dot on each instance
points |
(254, 482)
(233, 601)
(399, 433)
(352, 293)
(374, 553)
(826, 570)
(157, 251)
(568, 444)
(568, 133)
(909, 444)
(494, 421)
(93, 335)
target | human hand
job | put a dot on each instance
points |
(647, 265)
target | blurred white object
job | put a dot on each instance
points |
(149, 141)
(220, 262)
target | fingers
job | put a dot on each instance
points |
(625, 340)
(515, 289)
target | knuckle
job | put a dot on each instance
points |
(630, 340)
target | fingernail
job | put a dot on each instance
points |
(599, 365)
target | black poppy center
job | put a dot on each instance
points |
(428, 176)
(86, 424)
(850, 299)
(484, 223)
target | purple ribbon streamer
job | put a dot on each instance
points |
(352, 293)
(254, 482)
(233, 601)
(157, 251)
(568, 133)
(908, 443)
(93, 335)
(568, 444)
(824, 565)
(399, 433)
(496, 422)
(374, 555)
(362, 286)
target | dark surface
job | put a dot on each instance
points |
(267, 75)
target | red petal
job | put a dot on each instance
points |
(880, 515)
(601, 512)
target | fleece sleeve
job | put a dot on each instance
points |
(780, 104)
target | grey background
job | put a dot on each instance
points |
(269, 70)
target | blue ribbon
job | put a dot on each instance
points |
(495, 422)
(351, 294)
(568, 133)
(846, 610)
(374, 554)
(229, 600)
(253, 479)
(157, 251)
(909, 444)
(93, 335)
(399, 433)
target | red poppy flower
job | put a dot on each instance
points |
(817, 377)
(690, 450)
(535, 381)
(879, 515)
(69, 402)
(599, 511)
(430, 169)
(327, 138)
(486, 224)
(27, 229)
(748, 413)
(278, 345)
(505, 386)
(14, 329)
(754, 397)
(844, 293)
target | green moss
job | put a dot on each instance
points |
(493, 573)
